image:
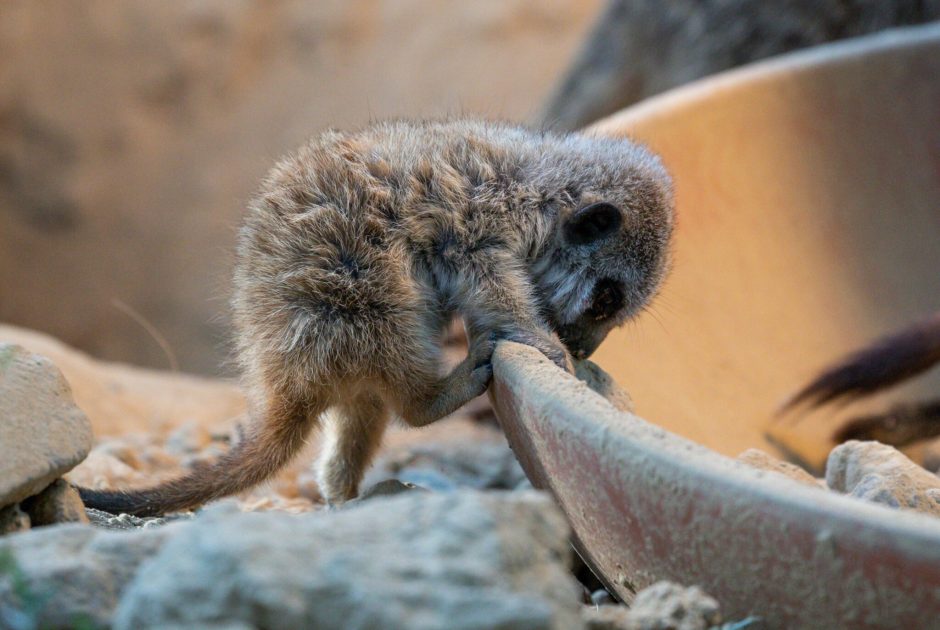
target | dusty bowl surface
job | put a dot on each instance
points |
(809, 220)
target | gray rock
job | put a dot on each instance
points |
(670, 606)
(13, 519)
(428, 478)
(662, 606)
(68, 575)
(43, 434)
(126, 521)
(59, 503)
(880, 473)
(417, 560)
(387, 488)
(606, 618)
(447, 466)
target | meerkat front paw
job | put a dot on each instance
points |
(547, 343)
(480, 356)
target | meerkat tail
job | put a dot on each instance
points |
(886, 362)
(264, 451)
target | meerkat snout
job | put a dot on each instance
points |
(360, 247)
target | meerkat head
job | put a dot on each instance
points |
(609, 250)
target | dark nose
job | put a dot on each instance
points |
(589, 346)
(580, 341)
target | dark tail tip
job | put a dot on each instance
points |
(121, 502)
(885, 363)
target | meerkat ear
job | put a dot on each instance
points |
(592, 223)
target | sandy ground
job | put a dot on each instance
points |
(152, 425)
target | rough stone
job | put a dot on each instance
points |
(43, 434)
(127, 521)
(764, 461)
(448, 466)
(70, 576)
(606, 618)
(662, 606)
(670, 606)
(880, 473)
(59, 503)
(418, 560)
(387, 488)
(120, 400)
(13, 519)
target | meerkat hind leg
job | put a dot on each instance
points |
(353, 434)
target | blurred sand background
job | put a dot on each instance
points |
(132, 133)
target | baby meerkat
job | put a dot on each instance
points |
(360, 247)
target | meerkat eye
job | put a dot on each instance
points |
(593, 223)
(607, 301)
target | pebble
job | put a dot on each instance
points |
(762, 460)
(13, 519)
(881, 474)
(59, 503)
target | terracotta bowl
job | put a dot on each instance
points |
(808, 194)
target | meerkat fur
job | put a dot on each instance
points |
(359, 249)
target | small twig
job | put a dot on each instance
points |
(151, 330)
